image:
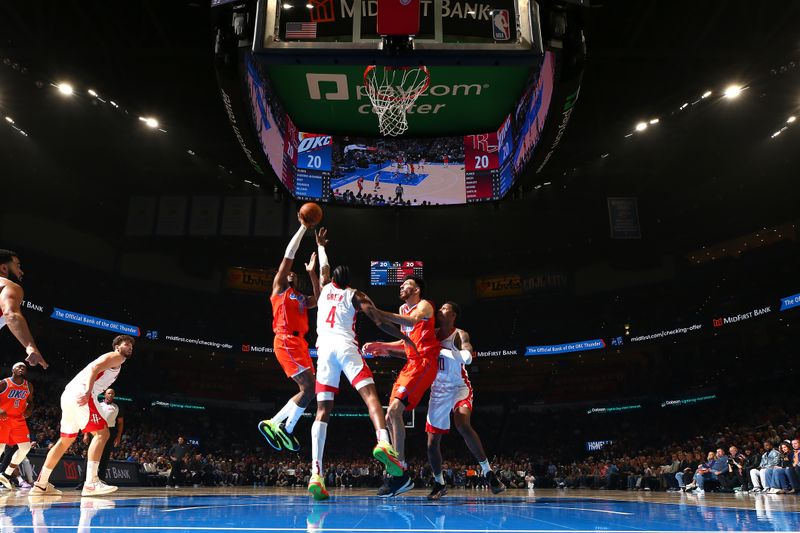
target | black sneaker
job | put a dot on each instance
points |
(8, 482)
(495, 484)
(399, 484)
(385, 489)
(438, 491)
(289, 441)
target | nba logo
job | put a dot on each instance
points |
(500, 25)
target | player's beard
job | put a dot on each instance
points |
(13, 277)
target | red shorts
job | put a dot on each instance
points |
(414, 380)
(292, 354)
(14, 430)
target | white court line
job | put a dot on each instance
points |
(539, 505)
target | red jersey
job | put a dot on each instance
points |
(14, 400)
(289, 313)
(424, 336)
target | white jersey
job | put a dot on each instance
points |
(452, 371)
(336, 315)
(103, 381)
(2, 318)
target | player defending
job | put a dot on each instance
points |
(11, 297)
(16, 404)
(417, 319)
(79, 413)
(290, 324)
(338, 353)
(452, 391)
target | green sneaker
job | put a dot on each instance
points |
(316, 486)
(289, 441)
(272, 433)
(386, 454)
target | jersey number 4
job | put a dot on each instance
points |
(331, 317)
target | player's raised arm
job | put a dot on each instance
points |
(311, 268)
(365, 304)
(281, 281)
(423, 311)
(11, 297)
(324, 264)
(464, 345)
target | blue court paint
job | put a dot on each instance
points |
(364, 514)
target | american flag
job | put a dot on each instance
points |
(301, 30)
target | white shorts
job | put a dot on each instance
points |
(443, 400)
(333, 359)
(76, 418)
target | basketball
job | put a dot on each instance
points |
(311, 213)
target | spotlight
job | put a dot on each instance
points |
(309, 6)
(706, 94)
(287, 6)
(9, 120)
(150, 122)
(65, 89)
(112, 102)
(684, 106)
(92, 93)
(641, 126)
(655, 121)
(732, 91)
(791, 119)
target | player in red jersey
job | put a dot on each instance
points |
(11, 297)
(290, 324)
(16, 404)
(417, 320)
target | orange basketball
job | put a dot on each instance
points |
(311, 213)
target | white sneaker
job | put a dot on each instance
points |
(699, 491)
(97, 488)
(48, 490)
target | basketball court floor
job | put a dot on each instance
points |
(358, 510)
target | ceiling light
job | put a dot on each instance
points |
(112, 102)
(92, 93)
(65, 89)
(641, 126)
(732, 91)
(706, 94)
(309, 6)
(9, 120)
(655, 121)
(149, 121)
(287, 6)
(684, 106)
(791, 119)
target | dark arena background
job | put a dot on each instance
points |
(608, 190)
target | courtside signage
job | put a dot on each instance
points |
(553, 349)
(94, 322)
(790, 302)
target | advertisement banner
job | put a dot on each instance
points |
(516, 285)
(667, 333)
(790, 302)
(94, 322)
(249, 279)
(553, 349)
(71, 469)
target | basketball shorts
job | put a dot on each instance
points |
(443, 400)
(14, 430)
(414, 380)
(334, 359)
(292, 353)
(76, 418)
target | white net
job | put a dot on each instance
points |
(392, 91)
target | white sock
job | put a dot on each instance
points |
(44, 476)
(382, 434)
(91, 471)
(9, 471)
(283, 414)
(485, 466)
(405, 465)
(319, 430)
(294, 415)
(439, 478)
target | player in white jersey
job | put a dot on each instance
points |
(338, 353)
(79, 413)
(452, 391)
(11, 298)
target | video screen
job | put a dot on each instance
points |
(388, 273)
(397, 171)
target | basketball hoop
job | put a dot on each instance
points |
(392, 91)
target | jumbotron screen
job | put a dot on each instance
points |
(379, 171)
(387, 273)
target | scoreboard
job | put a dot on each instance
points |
(382, 273)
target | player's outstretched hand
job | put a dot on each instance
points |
(35, 358)
(312, 263)
(375, 349)
(322, 237)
